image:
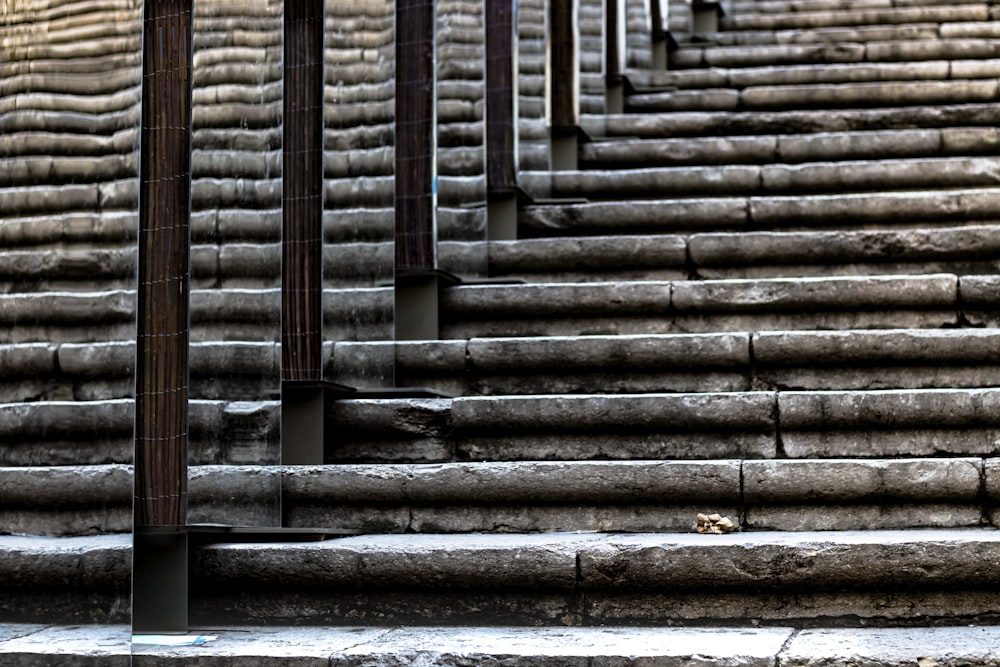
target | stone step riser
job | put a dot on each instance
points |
(560, 309)
(603, 579)
(756, 425)
(523, 497)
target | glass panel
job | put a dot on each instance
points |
(462, 248)
(358, 218)
(236, 263)
(69, 112)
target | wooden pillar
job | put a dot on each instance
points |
(563, 81)
(302, 193)
(162, 329)
(416, 137)
(415, 199)
(303, 397)
(659, 32)
(614, 56)
(501, 118)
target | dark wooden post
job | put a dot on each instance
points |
(659, 32)
(302, 193)
(162, 329)
(415, 199)
(614, 56)
(303, 397)
(563, 81)
(501, 118)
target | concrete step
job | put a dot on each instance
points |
(619, 646)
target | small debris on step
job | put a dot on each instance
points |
(714, 524)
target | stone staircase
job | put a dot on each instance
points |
(778, 302)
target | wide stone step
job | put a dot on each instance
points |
(596, 647)
(64, 580)
(722, 123)
(600, 579)
(825, 96)
(764, 75)
(809, 177)
(524, 497)
(790, 148)
(738, 361)
(700, 306)
(837, 52)
(812, 424)
(845, 211)
(861, 33)
(621, 646)
(539, 309)
(836, 15)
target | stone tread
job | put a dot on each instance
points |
(256, 646)
(527, 497)
(762, 424)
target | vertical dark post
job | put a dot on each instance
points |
(302, 396)
(659, 33)
(162, 323)
(416, 137)
(614, 56)
(501, 118)
(415, 199)
(302, 193)
(563, 78)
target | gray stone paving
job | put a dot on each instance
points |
(31, 645)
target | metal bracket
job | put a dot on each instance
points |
(159, 580)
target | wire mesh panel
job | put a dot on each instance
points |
(161, 393)
(236, 262)
(359, 254)
(461, 136)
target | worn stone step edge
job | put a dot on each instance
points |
(762, 212)
(550, 300)
(790, 148)
(554, 561)
(723, 123)
(623, 496)
(814, 18)
(826, 96)
(735, 351)
(892, 32)
(789, 74)
(583, 259)
(642, 363)
(842, 177)
(621, 646)
(813, 424)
